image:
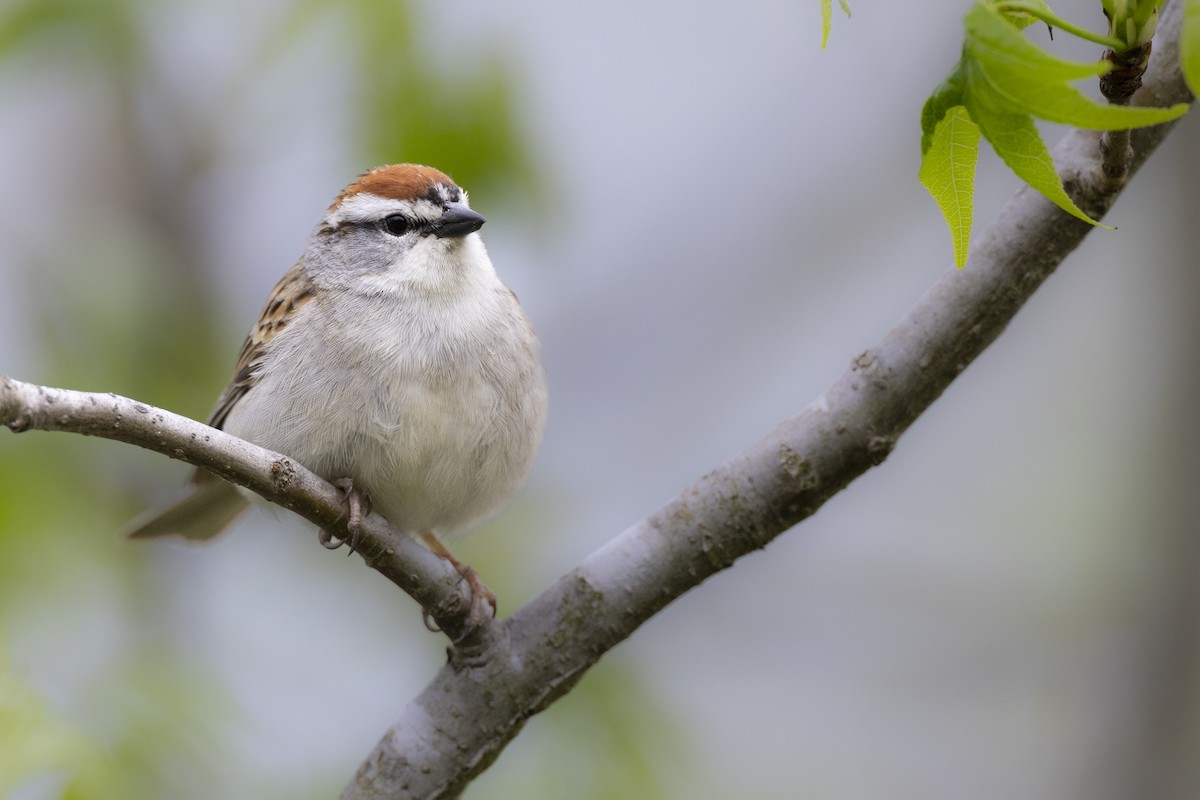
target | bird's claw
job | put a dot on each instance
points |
(480, 594)
(358, 505)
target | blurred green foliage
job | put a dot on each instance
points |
(125, 711)
(418, 105)
(34, 741)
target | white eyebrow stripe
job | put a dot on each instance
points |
(366, 207)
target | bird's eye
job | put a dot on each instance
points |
(395, 224)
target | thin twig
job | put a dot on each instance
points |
(1118, 86)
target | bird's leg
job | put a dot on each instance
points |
(358, 505)
(479, 592)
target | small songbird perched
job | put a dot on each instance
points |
(390, 360)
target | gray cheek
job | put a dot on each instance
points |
(339, 260)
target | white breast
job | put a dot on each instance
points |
(434, 404)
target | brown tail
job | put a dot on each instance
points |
(206, 510)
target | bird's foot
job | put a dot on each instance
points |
(358, 505)
(480, 594)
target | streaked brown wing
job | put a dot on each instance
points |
(292, 292)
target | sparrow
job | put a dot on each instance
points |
(390, 360)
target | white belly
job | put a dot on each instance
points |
(437, 418)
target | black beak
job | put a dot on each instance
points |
(457, 221)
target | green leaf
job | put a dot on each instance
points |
(827, 17)
(1018, 143)
(945, 97)
(1023, 13)
(1131, 21)
(948, 172)
(1001, 83)
(1189, 44)
(1016, 73)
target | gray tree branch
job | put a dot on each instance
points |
(420, 573)
(503, 673)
